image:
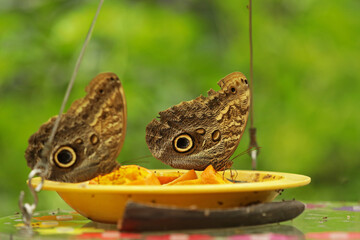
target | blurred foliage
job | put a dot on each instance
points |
(306, 79)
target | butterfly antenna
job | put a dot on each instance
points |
(247, 151)
(137, 160)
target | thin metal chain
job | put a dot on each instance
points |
(27, 209)
(251, 67)
(41, 168)
(253, 144)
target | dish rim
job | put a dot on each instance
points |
(288, 180)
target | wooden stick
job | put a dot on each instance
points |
(146, 217)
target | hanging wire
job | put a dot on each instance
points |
(47, 146)
(253, 144)
(41, 168)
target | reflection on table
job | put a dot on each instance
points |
(327, 220)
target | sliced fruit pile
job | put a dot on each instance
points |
(136, 175)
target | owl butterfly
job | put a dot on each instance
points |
(90, 134)
(203, 131)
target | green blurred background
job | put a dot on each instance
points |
(306, 78)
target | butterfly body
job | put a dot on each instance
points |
(203, 131)
(90, 134)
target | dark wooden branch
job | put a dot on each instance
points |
(143, 217)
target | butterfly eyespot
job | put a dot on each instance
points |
(200, 131)
(94, 139)
(183, 143)
(233, 90)
(65, 157)
(216, 135)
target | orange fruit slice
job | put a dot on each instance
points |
(188, 176)
(166, 177)
(128, 175)
(210, 176)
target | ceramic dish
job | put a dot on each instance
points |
(106, 203)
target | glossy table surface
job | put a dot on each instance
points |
(320, 220)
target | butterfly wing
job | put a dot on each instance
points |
(90, 134)
(203, 131)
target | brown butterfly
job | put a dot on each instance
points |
(90, 134)
(203, 131)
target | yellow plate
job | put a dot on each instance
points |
(106, 203)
